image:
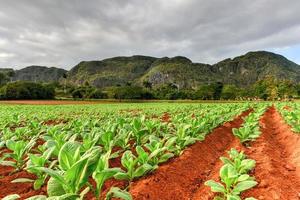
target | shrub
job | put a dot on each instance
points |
(27, 90)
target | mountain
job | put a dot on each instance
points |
(39, 73)
(241, 71)
(112, 71)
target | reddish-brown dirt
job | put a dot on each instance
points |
(23, 189)
(166, 117)
(182, 177)
(277, 153)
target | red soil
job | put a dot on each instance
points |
(166, 117)
(288, 108)
(23, 189)
(54, 122)
(182, 177)
(277, 153)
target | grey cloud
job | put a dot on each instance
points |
(62, 33)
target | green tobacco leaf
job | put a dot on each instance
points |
(243, 177)
(122, 176)
(8, 163)
(140, 171)
(37, 197)
(54, 188)
(244, 185)
(53, 174)
(233, 197)
(22, 180)
(38, 183)
(68, 155)
(165, 157)
(215, 186)
(115, 192)
(12, 197)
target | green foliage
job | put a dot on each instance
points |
(234, 177)
(249, 131)
(134, 169)
(80, 143)
(27, 90)
(19, 150)
(130, 92)
(230, 92)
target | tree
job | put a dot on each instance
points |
(3, 78)
(147, 84)
(209, 92)
(65, 76)
(218, 87)
(27, 90)
(205, 92)
(266, 88)
(286, 89)
(229, 92)
(11, 74)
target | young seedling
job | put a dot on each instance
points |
(33, 163)
(19, 150)
(234, 177)
(133, 169)
(74, 171)
(103, 173)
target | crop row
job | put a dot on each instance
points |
(291, 114)
(72, 153)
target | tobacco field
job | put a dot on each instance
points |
(156, 151)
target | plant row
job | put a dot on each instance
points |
(234, 177)
(72, 154)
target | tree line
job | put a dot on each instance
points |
(268, 88)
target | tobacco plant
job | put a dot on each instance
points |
(234, 177)
(133, 168)
(19, 151)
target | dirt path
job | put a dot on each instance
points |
(277, 153)
(182, 177)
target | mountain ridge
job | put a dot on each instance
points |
(242, 70)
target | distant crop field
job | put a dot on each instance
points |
(180, 150)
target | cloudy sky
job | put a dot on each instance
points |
(64, 32)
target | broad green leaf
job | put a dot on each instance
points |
(55, 188)
(37, 197)
(8, 163)
(12, 197)
(68, 155)
(22, 180)
(38, 183)
(233, 197)
(244, 185)
(115, 192)
(122, 176)
(215, 186)
(53, 174)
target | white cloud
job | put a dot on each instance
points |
(62, 33)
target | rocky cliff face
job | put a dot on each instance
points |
(241, 71)
(39, 74)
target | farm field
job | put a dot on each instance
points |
(156, 151)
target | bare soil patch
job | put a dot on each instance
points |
(277, 153)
